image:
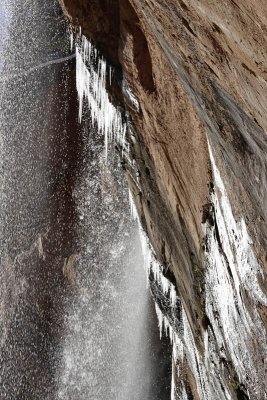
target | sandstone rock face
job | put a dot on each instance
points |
(196, 74)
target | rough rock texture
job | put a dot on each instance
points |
(198, 72)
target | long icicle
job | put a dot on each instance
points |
(91, 85)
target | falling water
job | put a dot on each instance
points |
(111, 336)
(36, 208)
(76, 318)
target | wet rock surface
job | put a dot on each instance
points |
(76, 319)
(197, 71)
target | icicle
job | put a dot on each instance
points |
(173, 390)
(164, 325)
(160, 319)
(91, 85)
(71, 41)
(173, 296)
(134, 213)
(178, 348)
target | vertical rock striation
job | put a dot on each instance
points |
(190, 77)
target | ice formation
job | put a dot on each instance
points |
(167, 289)
(130, 96)
(91, 74)
(234, 326)
(164, 324)
(232, 273)
(133, 210)
(152, 266)
(71, 40)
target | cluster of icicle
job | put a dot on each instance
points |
(234, 327)
(183, 341)
(91, 74)
(226, 277)
(167, 288)
(152, 266)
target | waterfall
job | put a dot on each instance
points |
(76, 317)
(110, 331)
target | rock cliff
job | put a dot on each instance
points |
(191, 77)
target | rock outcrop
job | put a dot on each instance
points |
(196, 76)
